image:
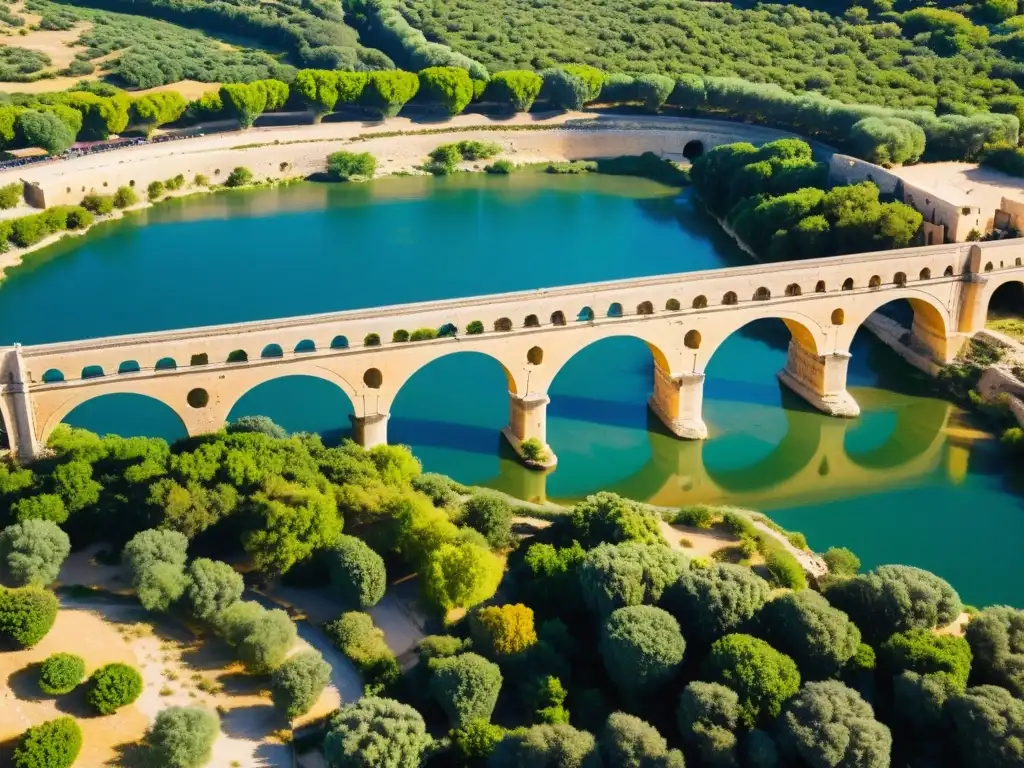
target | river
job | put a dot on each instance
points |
(910, 481)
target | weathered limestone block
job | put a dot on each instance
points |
(820, 380)
(679, 402)
(528, 418)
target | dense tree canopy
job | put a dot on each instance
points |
(466, 686)
(182, 737)
(996, 637)
(988, 727)
(708, 716)
(642, 648)
(762, 677)
(629, 742)
(714, 600)
(298, 682)
(31, 552)
(616, 575)
(375, 733)
(546, 746)
(358, 576)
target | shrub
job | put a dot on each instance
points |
(715, 600)
(201, 180)
(449, 86)
(563, 90)
(616, 575)
(44, 130)
(32, 552)
(61, 673)
(125, 197)
(344, 166)
(491, 514)
(466, 687)
(155, 190)
(550, 701)
(460, 575)
(558, 746)
(212, 587)
(297, 684)
(533, 450)
(785, 570)
(988, 727)
(10, 195)
(707, 716)
(101, 205)
(697, 516)
(504, 630)
(371, 340)
(261, 638)
(830, 724)
(653, 90)
(355, 636)
(42, 506)
(607, 517)
(262, 425)
(499, 168)
(53, 744)
(996, 637)
(159, 585)
(388, 91)
(400, 336)
(376, 733)
(819, 638)
(113, 686)
(475, 741)
(924, 652)
(629, 742)
(26, 615)
(475, 328)
(239, 177)
(175, 183)
(183, 737)
(358, 576)
(762, 677)
(841, 561)
(442, 491)
(516, 89)
(641, 647)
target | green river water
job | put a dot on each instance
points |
(910, 481)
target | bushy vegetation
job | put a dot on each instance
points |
(113, 686)
(298, 682)
(32, 551)
(376, 732)
(26, 615)
(345, 166)
(61, 673)
(53, 744)
(358, 576)
(354, 634)
(182, 737)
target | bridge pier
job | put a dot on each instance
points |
(528, 419)
(679, 402)
(17, 412)
(820, 380)
(371, 430)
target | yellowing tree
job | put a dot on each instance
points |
(460, 575)
(506, 629)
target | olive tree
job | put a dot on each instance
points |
(466, 686)
(212, 587)
(641, 647)
(182, 737)
(629, 742)
(26, 615)
(818, 637)
(32, 552)
(616, 575)
(154, 546)
(708, 715)
(762, 677)
(358, 575)
(491, 514)
(546, 746)
(261, 638)
(653, 90)
(53, 744)
(996, 637)
(714, 600)
(298, 682)
(608, 518)
(44, 130)
(451, 87)
(830, 724)
(376, 733)
(159, 585)
(988, 727)
(516, 88)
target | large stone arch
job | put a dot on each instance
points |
(247, 379)
(994, 283)
(804, 329)
(79, 395)
(560, 354)
(933, 330)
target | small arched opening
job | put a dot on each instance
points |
(949, 271)
(197, 398)
(447, 331)
(988, 266)
(900, 279)
(1006, 308)
(693, 149)
(373, 378)
(339, 342)
(848, 284)
(238, 356)
(92, 372)
(306, 345)
(645, 308)
(503, 324)
(201, 359)
(700, 302)
(615, 310)
(585, 315)
(535, 356)
(272, 350)
(762, 294)
(692, 339)
(793, 289)
(531, 321)
(838, 317)
(129, 366)
(52, 376)
(672, 305)
(166, 364)
(558, 317)
(874, 282)
(925, 274)
(819, 287)
(730, 298)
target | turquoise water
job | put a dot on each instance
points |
(908, 481)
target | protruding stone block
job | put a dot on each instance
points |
(679, 402)
(820, 380)
(370, 430)
(528, 418)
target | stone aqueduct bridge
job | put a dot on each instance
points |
(201, 373)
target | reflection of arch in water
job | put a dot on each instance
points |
(919, 420)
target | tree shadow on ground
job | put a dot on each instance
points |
(252, 722)
(132, 755)
(24, 683)
(75, 703)
(242, 684)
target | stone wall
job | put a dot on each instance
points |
(850, 170)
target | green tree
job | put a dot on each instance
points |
(388, 91)
(295, 522)
(466, 686)
(244, 101)
(491, 514)
(841, 561)
(708, 716)
(182, 737)
(996, 637)
(10, 195)
(653, 91)
(475, 741)
(516, 88)
(887, 140)
(154, 546)
(125, 197)
(239, 177)
(376, 733)
(44, 130)
(563, 90)
(156, 109)
(714, 600)
(26, 615)
(159, 585)
(449, 86)
(592, 78)
(460, 575)
(546, 746)
(61, 673)
(762, 677)
(212, 587)
(74, 483)
(607, 517)
(358, 575)
(988, 727)
(32, 552)
(296, 685)
(818, 637)
(830, 724)
(642, 648)
(53, 744)
(924, 652)
(629, 742)
(43, 506)
(345, 166)
(113, 686)
(616, 575)
(898, 225)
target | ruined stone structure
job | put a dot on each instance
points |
(201, 373)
